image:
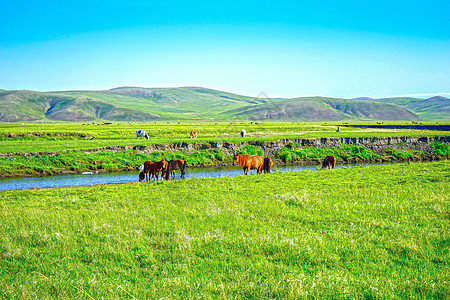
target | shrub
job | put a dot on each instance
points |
(251, 150)
(440, 149)
(397, 154)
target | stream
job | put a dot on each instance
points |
(20, 183)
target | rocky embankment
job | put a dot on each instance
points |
(376, 144)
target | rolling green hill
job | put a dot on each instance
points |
(197, 104)
(16, 106)
(187, 103)
(434, 108)
(321, 108)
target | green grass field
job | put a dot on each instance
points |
(56, 137)
(356, 233)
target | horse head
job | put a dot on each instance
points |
(236, 159)
(141, 176)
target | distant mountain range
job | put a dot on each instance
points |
(196, 104)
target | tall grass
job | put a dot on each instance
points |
(382, 232)
(347, 152)
(293, 152)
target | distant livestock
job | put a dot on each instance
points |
(142, 134)
(193, 134)
(243, 133)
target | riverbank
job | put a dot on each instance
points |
(301, 151)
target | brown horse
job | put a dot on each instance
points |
(248, 162)
(153, 167)
(268, 164)
(329, 161)
(173, 165)
(193, 134)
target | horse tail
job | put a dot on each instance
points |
(141, 168)
(324, 163)
(167, 175)
(184, 168)
(268, 163)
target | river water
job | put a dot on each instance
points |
(126, 177)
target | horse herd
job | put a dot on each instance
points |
(166, 168)
(246, 161)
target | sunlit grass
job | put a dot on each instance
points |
(381, 232)
(56, 137)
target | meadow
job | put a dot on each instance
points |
(70, 136)
(357, 233)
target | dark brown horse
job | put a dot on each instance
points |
(153, 167)
(329, 161)
(268, 164)
(248, 162)
(179, 164)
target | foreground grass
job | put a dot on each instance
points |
(382, 232)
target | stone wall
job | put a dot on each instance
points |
(375, 144)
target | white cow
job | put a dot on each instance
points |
(142, 134)
(243, 133)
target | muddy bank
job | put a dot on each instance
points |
(375, 144)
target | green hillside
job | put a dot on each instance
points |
(16, 106)
(196, 104)
(435, 108)
(321, 108)
(188, 103)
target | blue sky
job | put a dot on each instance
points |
(283, 48)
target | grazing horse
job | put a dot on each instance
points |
(248, 162)
(153, 167)
(193, 134)
(142, 134)
(243, 133)
(268, 164)
(179, 164)
(329, 161)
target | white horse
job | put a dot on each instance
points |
(243, 133)
(142, 134)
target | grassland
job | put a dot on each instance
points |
(57, 137)
(345, 233)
